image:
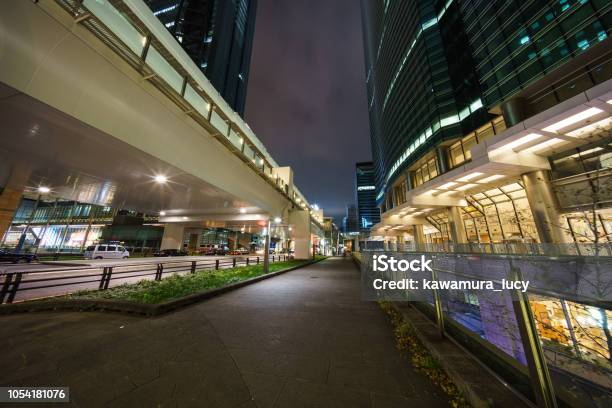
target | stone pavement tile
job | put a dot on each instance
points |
(399, 401)
(265, 388)
(304, 394)
(371, 378)
(313, 368)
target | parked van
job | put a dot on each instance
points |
(106, 251)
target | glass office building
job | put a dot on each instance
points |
(368, 212)
(218, 36)
(447, 78)
(491, 128)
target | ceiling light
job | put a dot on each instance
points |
(161, 179)
(491, 178)
(578, 117)
(602, 124)
(593, 150)
(543, 145)
(448, 185)
(277, 220)
(162, 213)
(242, 210)
(466, 186)
(184, 218)
(470, 176)
(521, 141)
(44, 190)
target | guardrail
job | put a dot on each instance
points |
(551, 341)
(100, 277)
(509, 248)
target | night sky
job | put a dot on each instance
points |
(306, 95)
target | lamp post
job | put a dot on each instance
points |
(266, 260)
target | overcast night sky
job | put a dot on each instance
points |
(306, 95)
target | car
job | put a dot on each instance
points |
(170, 252)
(239, 251)
(106, 251)
(15, 257)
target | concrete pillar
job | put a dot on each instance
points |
(457, 225)
(300, 233)
(544, 206)
(442, 159)
(418, 234)
(10, 197)
(9, 203)
(515, 111)
(173, 236)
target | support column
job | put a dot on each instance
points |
(457, 225)
(266, 257)
(418, 234)
(300, 233)
(442, 159)
(10, 198)
(173, 236)
(515, 111)
(544, 206)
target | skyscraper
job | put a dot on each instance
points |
(218, 36)
(475, 102)
(368, 213)
(350, 222)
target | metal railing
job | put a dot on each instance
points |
(60, 281)
(509, 248)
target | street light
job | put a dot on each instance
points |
(162, 213)
(161, 179)
(44, 190)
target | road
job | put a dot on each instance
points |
(76, 275)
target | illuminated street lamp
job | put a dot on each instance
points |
(161, 179)
(44, 190)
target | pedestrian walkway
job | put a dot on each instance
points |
(302, 339)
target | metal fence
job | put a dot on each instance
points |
(509, 248)
(19, 285)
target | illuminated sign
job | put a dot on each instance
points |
(365, 188)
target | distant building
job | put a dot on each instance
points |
(350, 222)
(368, 213)
(218, 36)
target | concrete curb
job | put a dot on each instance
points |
(127, 307)
(479, 387)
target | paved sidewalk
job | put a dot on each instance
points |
(302, 339)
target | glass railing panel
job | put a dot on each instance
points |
(236, 139)
(196, 101)
(218, 122)
(117, 23)
(248, 151)
(576, 343)
(163, 69)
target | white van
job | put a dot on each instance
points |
(106, 251)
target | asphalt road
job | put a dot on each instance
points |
(75, 275)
